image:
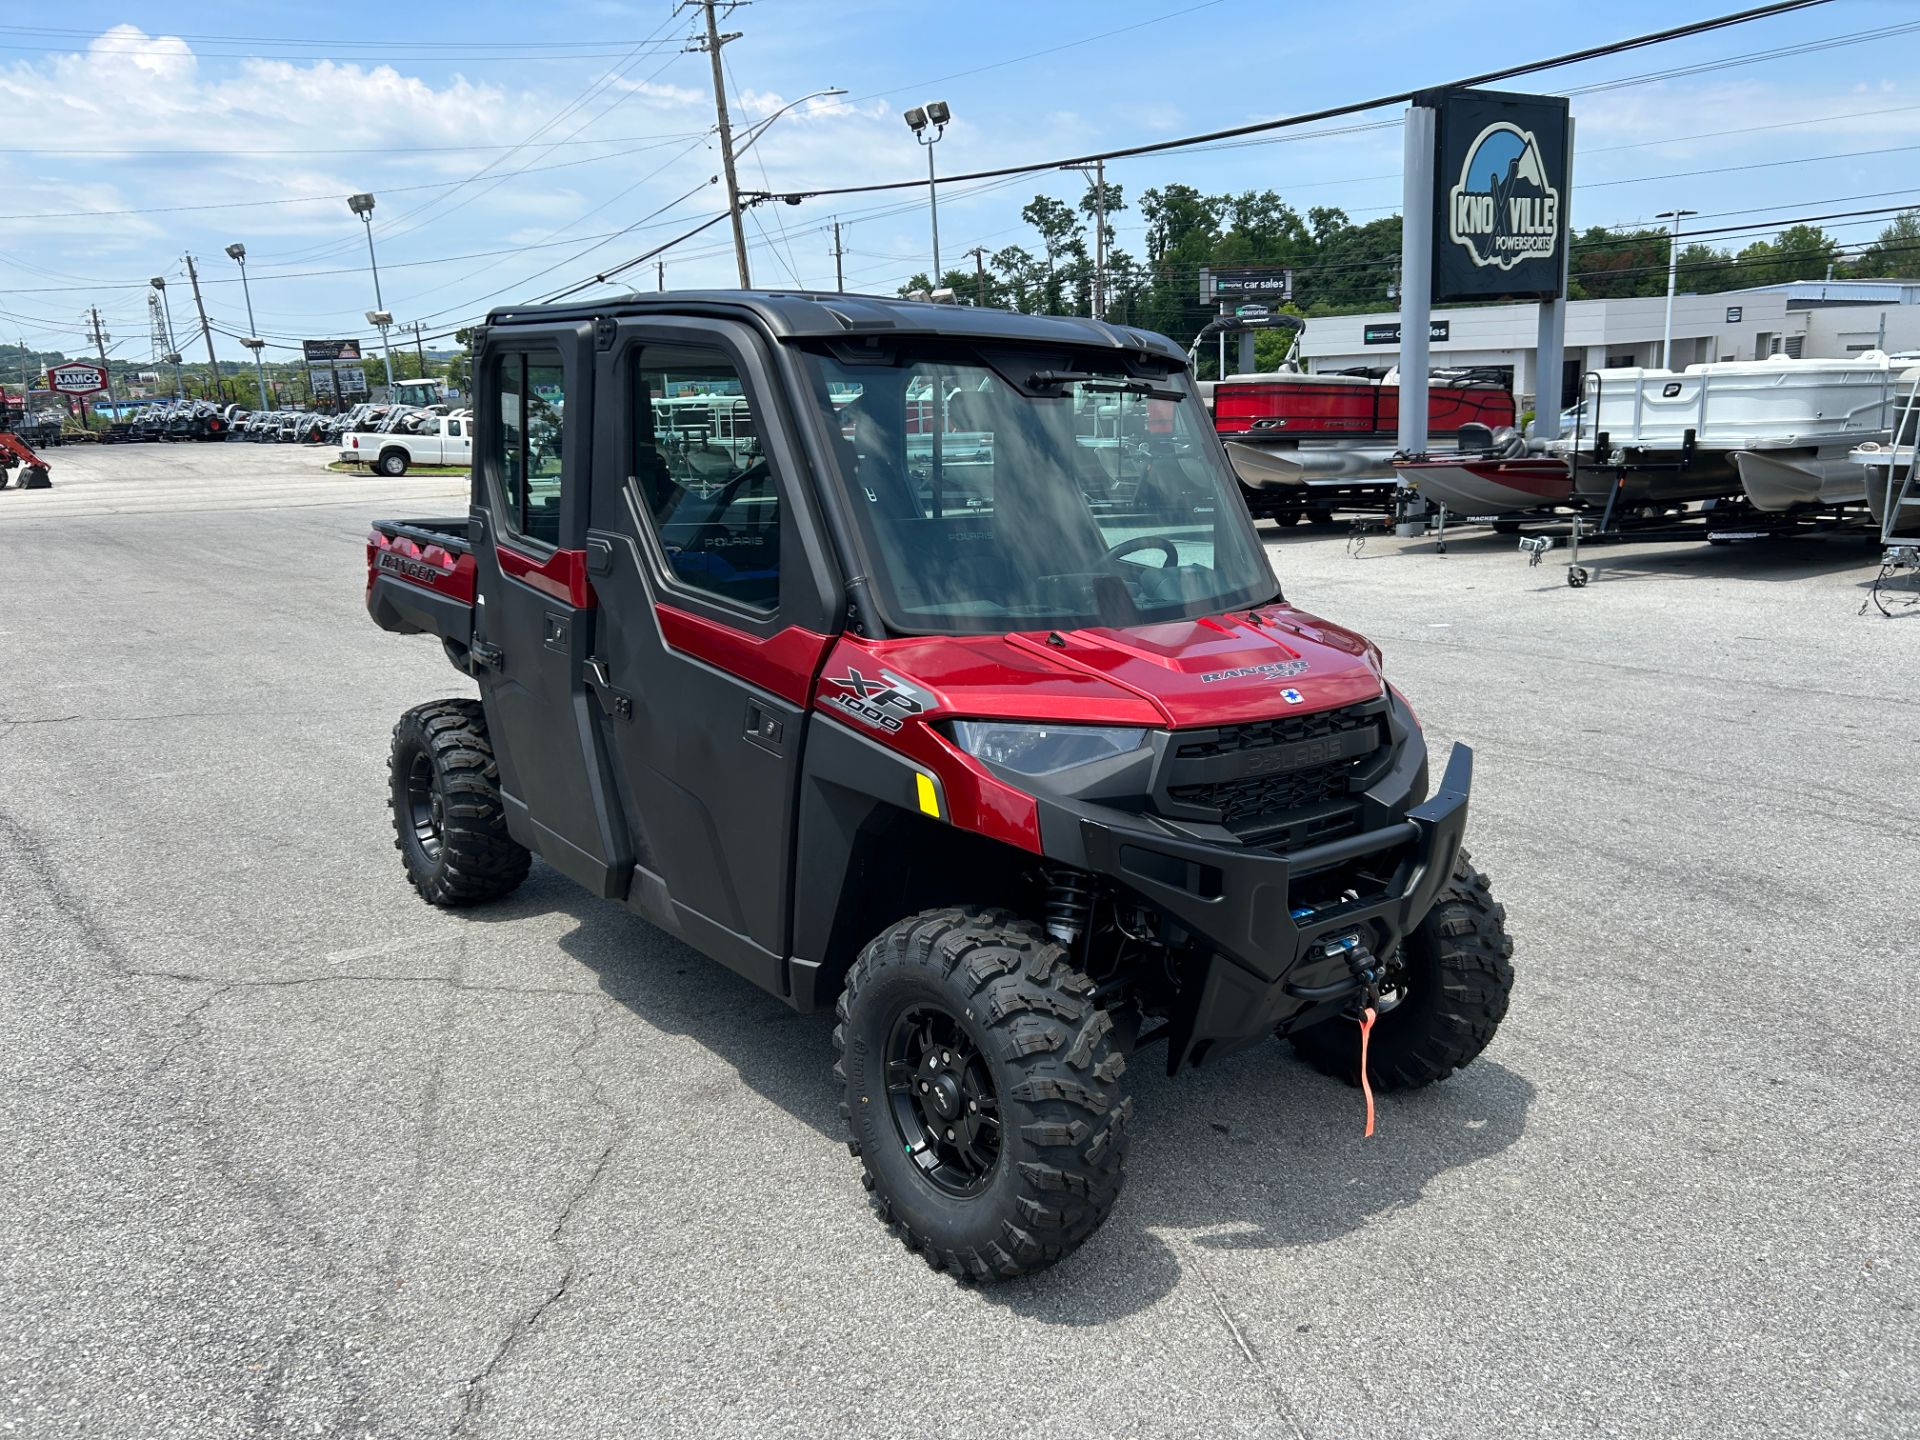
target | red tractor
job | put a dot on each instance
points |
(33, 470)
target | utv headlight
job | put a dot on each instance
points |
(1044, 749)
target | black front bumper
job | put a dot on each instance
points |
(1266, 919)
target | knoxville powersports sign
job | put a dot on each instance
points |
(1500, 190)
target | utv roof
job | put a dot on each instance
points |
(797, 315)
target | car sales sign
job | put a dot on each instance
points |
(76, 379)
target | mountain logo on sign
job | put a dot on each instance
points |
(1504, 209)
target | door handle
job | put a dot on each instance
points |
(763, 727)
(599, 677)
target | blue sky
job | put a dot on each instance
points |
(381, 98)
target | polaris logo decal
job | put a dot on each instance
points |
(885, 704)
(1278, 670)
(1293, 697)
(1503, 210)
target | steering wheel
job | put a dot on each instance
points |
(1145, 542)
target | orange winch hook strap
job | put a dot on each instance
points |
(1366, 1086)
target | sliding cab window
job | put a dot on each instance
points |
(531, 389)
(704, 479)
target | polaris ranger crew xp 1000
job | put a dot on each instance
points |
(922, 662)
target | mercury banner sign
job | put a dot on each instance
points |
(1500, 194)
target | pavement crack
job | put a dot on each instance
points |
(32, 853)
(286, 981)
(192, 1017)
(473, 1400)
(1275, 1396)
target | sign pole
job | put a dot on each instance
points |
(1416, 275)
(1550, 348)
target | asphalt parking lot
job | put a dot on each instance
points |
(285, 1152)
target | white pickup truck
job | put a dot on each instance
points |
(448, 440)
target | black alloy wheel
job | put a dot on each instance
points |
(449, 821)
(980, 1085)
(426, 806)
(941, 1094)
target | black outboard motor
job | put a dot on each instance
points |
(1502, 443)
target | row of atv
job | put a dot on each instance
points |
(177, 420)
(304, 428)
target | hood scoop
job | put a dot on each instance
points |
(1188, 647)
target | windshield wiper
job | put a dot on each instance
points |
(1049, 379)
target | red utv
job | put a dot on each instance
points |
(922, 662)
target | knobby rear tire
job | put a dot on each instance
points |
(1055, 1067)
(445, 744)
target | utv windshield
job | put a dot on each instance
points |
(998, 489)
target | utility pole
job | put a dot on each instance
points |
(1098, 170)
(213, 366)
(711, 43)
(660, 275)
(1100, 240)
(99, 344)
(419, 347)
(979, 256)
(839, 255)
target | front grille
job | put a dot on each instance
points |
(1281, 730)
(1242, 776)
(1258, 795)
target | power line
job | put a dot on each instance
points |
(1573, 57)
(112, 151)
(585, 96)
(317, 199)
(329, 43)
(1037, 54)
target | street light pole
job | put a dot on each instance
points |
(920, 120)
(362, 205)
(1673, 269)
(238, 254)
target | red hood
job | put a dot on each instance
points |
(1213, 671)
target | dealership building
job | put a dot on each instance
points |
(1810, 318)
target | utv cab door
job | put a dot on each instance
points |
(536, 610)
(713, 624)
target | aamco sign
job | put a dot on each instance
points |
(76, 379)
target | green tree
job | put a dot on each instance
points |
(1612, 264)
(1021, 278)
(1894, 252)
(1063, 242)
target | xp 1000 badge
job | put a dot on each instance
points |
(883, 704)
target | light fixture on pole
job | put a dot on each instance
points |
(362, 205)
(237, 253)
(172, 357)
(933, 117)
(1673, 268)
(759, 127)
